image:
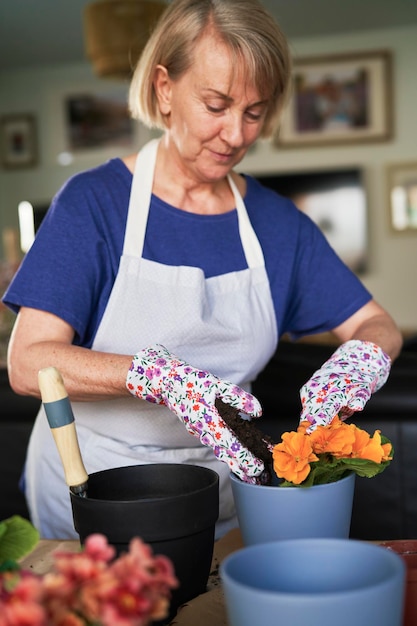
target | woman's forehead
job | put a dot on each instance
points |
(218, 67)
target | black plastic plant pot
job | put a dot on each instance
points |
(171, 507)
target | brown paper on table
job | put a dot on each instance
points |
(205, 610)
(209, 608)
(41, 559)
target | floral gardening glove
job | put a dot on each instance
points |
(158, 376)
(345, 382)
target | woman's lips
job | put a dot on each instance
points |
(221, 156)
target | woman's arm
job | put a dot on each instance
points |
(372, 323)
(40, 339)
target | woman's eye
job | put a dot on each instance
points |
(253, 116)
(215, 109)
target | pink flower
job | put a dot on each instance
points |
(98, 549)
(20, 600)
(91, 587)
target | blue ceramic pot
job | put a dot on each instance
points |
(269, 513)
(314, 582)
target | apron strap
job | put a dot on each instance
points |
(250, 243)
(140, 199)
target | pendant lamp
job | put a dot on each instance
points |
(116, 32)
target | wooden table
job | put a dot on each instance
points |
(207, 609)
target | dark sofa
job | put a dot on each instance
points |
(17, 414)
(385, 507)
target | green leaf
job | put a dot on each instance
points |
(365, 467)
(17, 538)
(9, 566)
(3, 528)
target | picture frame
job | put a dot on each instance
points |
(339, 99)
(18, 141)
(97, 119)
(402, 196)
(336, 199)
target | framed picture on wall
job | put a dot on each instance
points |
(402, 196)
(336, 200)
(339, 99)
(97, 119)
(18, 146)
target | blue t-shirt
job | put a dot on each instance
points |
(71, 267)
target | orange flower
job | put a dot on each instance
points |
(302, 427)
(337, 439)
(387, 448)
(370, 448)
(292, 457)
(329, 448)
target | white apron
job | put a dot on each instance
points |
(224, 324)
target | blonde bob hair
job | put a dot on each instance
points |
(250, 32)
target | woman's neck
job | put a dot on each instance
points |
(172, 185)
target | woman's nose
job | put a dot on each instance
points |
(232, 131)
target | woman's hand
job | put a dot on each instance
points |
(345, 382)
(158, 376)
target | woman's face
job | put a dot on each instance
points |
(213, 115)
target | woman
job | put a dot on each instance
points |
(170, 252)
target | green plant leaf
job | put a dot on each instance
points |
(9, 566)
(365, 467)
(17, 538)
(3, 529)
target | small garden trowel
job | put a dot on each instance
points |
(61, 420)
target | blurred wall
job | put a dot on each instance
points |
(392, 269)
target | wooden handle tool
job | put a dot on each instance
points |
(61, 420)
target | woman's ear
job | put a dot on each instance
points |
(162, 87)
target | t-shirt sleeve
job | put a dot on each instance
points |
(313, 291)
(323, 292)
(70, 268)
